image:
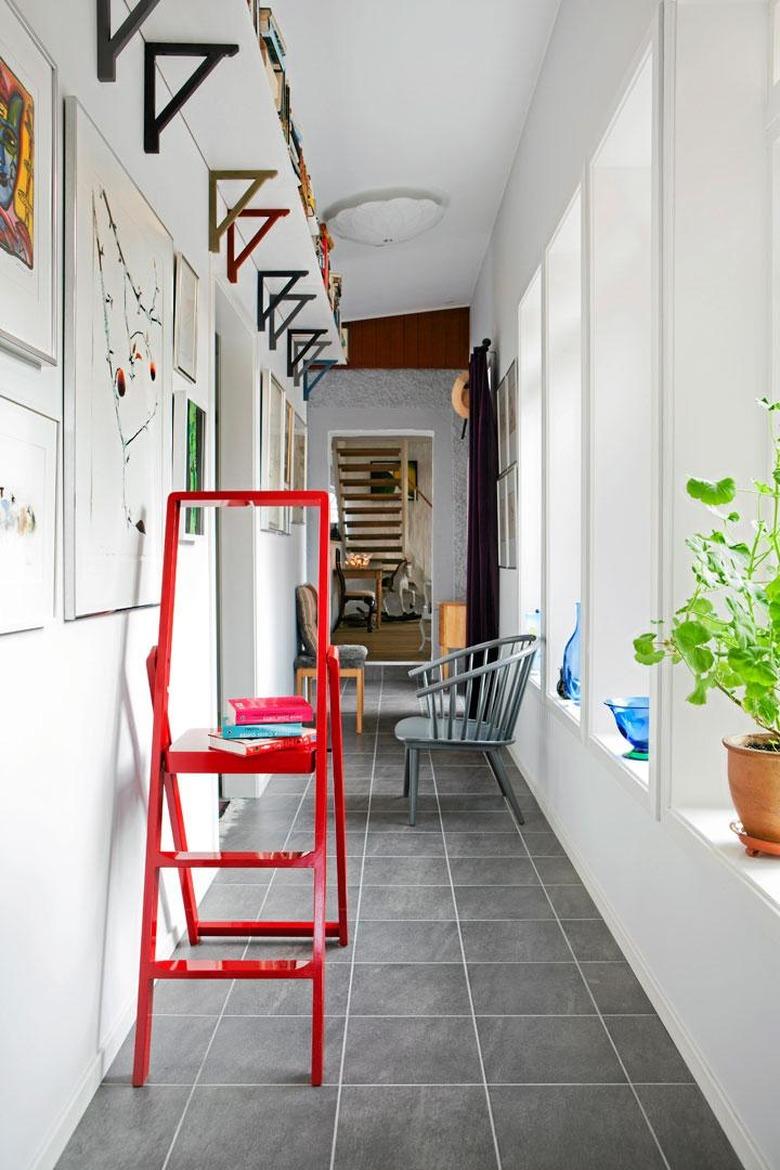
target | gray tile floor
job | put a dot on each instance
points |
(482, 1018)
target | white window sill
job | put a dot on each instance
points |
(634, 775)
(569, 711)
(711, 827)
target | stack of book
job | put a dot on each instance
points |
(253, 726)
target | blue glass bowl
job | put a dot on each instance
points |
(632, 716)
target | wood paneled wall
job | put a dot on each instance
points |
(414, 341)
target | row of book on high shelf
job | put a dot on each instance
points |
(252, 727)
(274, 51)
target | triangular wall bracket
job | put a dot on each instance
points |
(109, 47)
(234, 261)
(320, 370)
(255, 179)
(300, 343)
(155, 123)
(266, 313)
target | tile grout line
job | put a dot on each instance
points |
(598, 1011)
(466, 974)
(354, 927)
(191, 1093)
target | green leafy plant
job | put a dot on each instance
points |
(728, 631)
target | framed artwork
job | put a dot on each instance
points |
(510, 414)
(28, 195)
(185, 329)
(28, 474)
(289, 431)
(273, 425)
(511, 517)
(299, 466)
(501, 505)
(195, 477)
(119, 342)
(385, 482)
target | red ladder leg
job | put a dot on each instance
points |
(318, 930)
(337, 746)
(143, 1023)
(176, 815)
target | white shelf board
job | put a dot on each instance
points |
(233, 119)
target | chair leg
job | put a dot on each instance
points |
(414, 777)
(406, 772)
(299, 684)
(360, 700)
(496, 765)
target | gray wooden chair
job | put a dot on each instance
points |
(472, 699)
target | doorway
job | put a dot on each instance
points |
(382, 489)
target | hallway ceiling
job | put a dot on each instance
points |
(419, 94)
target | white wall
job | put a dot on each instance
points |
(705, 944)
(75, 722)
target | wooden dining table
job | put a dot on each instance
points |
(352, 572)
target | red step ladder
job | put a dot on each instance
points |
(191, 753)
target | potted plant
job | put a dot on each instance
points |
(728, 633)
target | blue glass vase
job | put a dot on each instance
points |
(632, 716)
(570, 671)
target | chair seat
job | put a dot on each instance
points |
(416, 729)
(350, 657)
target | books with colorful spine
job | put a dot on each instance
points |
(259, 747)
(277, 709)
(261, 730)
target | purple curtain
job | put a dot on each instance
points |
(482, 559)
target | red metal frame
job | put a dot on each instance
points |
(234, 261)
(190, 753)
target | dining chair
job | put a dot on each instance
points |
(366, 597)
(470, 699)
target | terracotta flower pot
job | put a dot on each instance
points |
(754, 780)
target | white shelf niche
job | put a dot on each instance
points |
(563, 433)
(530, 483)
(623, 321)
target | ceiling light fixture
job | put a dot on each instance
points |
(379, 218)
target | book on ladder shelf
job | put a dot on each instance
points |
(253, 726)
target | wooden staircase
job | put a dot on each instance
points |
(372, 490)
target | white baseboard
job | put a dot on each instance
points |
(63, 1129)
(748, 1153)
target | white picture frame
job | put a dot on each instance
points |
(28, 478)
(185, 326)
(510, 480)
(501, 508)
(300, 473)
(273, 424)
(117, 420)
(501, 424)
(29, 308)
(510, 414)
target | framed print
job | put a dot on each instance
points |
(510, 480)
(273, 451)
(510, 414)
(501, 424)
(289, 429)
(195, 477)
(299, 466)
(501, 505)
(119, 342)
(28, 474)
(28, 195)
(185, 328)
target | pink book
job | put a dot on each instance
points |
(280, 709)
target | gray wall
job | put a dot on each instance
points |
(396, 401)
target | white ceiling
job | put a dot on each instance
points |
(419, 94)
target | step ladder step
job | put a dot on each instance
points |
(284, 859)
(232, 969)
(254, 929)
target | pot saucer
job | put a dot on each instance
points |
(754, 845)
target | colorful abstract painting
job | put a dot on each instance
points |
(17, 167)
(196, 464)
(119, 289)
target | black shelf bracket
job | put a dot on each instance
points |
(109, 47)
(300, 343)
(320, 370)
(155, 123)
(266, 312)
(217, 228)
